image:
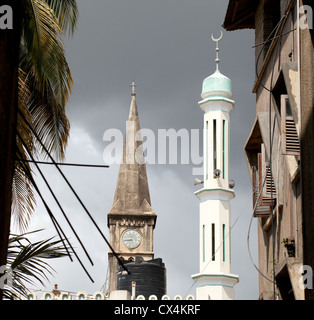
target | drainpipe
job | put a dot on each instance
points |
(300, 126)
(299, 65)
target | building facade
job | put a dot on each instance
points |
(279, 149)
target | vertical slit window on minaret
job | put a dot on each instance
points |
(223, 147)
(223, 243)
(203, 243)
(214, 145)
(213, 242)
(206, 150)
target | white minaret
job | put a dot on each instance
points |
(214, 281)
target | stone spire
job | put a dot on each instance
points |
(132, 192)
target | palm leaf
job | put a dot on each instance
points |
(66, 12)
(49, 119)
(27, 261)
(44, 87)
(43, 41)
(23, 198)
(52, 82)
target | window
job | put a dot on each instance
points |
(203, 243)
(206, 150)
(223, 243)
(289, 135)
(213, 242)
(214, 145)
(223, 147)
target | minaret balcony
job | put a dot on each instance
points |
(217, 193)
(216, 102)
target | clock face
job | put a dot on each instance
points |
(131, 239)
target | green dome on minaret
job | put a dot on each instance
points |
(217, 82)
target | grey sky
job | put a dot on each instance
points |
(165, 46)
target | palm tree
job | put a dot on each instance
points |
(28, 264)
(44, 85)
(35, 83)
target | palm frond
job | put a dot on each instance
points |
(51, 83)
(23, 198)
(27, 261)
(49, 119)
(43, 41)
(45, 83)
(66, 12)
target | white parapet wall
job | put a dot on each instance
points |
(98, 295)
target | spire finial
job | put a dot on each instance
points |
(217, 48)
(133, 85)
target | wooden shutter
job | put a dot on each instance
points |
(269, 191)
(260, 210)
(263, 187)
(289, 134)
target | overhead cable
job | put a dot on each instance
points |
(73, 191)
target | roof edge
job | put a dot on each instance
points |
(240, 15)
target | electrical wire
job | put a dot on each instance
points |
(260, 190)
(270, 40)
(55, 198)
(248, 236)
(73, 191)
(221, 243)
(271, 136)
(267, 40)
(262, 50)
(55, 222)
(281, 22)
(227, 234)
(66, 164)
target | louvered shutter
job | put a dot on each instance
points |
(289, 134)
(269, 190)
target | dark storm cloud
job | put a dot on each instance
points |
(166, 47)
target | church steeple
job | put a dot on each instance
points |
(132, 191)
(131, 220)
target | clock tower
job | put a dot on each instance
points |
(131, 221)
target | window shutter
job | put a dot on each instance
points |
(290, 139)
(269, 190)
(260, 210)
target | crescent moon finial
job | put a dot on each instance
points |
(219, 38)
(217, 48)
